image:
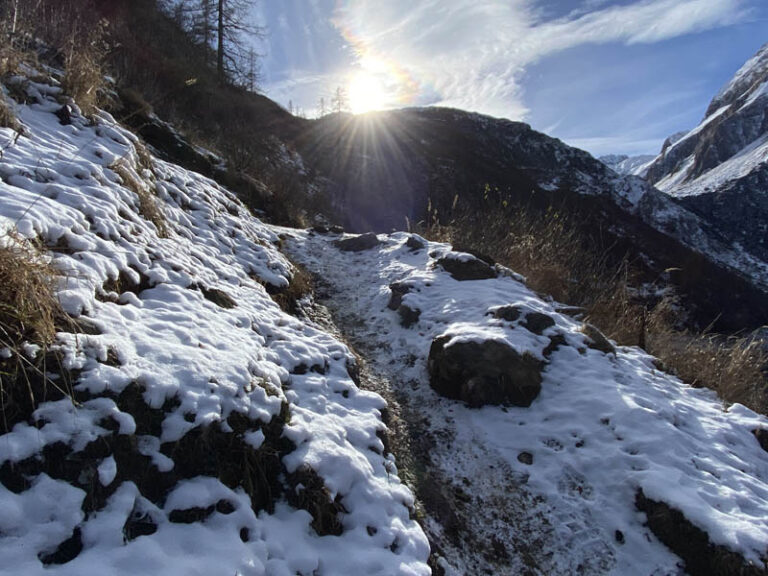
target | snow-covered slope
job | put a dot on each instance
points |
(628, 165)
(719, 170)
(552, 488)
(211, 433)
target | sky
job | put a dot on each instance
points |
(608, 76)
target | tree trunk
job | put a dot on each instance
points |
(220, 44)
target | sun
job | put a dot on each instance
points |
(366, 93)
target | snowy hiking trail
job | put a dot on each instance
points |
(466, 533)
(604, 426)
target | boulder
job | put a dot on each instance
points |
(597, 340)
(415, 243)
(534, 321)
(476, 253)
(463, 266)
(525, 458)
(537, 322)
(408, 316)
(398, 289)
(358, 243)
(482, 373)
(509, 313)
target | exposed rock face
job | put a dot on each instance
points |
(358, 243)
(463, 266)
(701, 557)
(598, 341)
(481, 373)
(719, 170)
(762, 437)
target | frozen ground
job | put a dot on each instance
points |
(603, 427)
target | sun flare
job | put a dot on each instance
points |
(366, 93)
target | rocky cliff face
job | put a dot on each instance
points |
(719, 170)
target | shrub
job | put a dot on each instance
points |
(7, 115)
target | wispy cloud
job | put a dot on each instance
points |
(472, 53)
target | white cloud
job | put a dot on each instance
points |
(471, 53)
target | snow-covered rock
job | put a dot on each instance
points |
(627, 165)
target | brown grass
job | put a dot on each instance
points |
(558, 260)
(28, 306)
(736, 367)
(299, 287)
(29, 314)
(7, 116)
(148, 205)
(83, 70)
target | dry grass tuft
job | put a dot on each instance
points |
(7, 115)
(288, 298)
(148, 205)
(736, 367)
(29, 316)
(28, 305)
(14, 56)
(84, 65)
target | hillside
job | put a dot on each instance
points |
(181, 421)
(383, 170)
(184, 423)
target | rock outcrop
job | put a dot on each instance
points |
(482, 373)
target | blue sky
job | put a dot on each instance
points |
(604, 75)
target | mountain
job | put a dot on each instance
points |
(719, 170)
(384, 169)
(627, 165)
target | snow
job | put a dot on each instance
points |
(604, 425)
(738, 166)
(745, 77)
(199, 360)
